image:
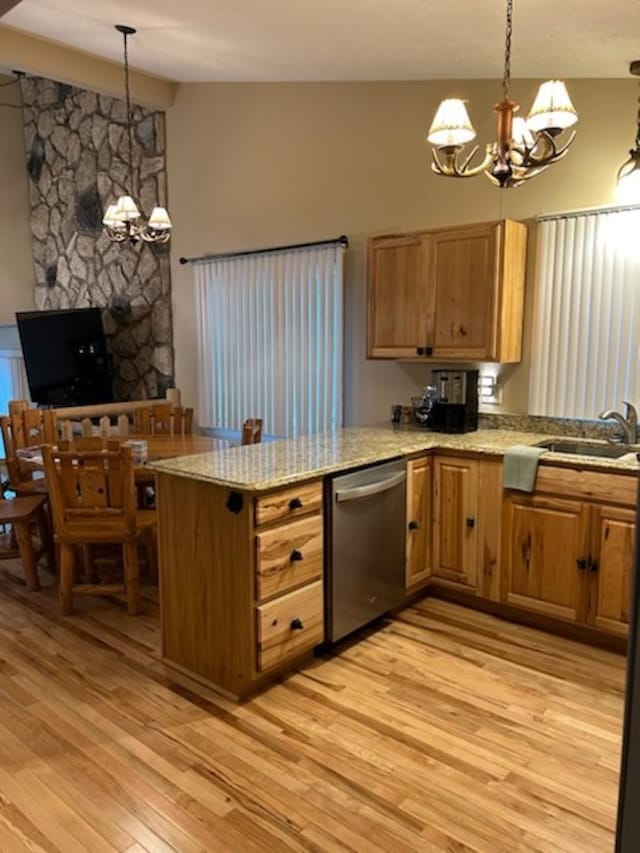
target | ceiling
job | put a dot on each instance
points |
(281, 40)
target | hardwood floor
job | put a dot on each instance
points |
(446, 730)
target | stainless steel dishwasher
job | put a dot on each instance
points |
(366, 515)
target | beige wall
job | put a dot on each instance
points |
(254, 165)
(16, 267)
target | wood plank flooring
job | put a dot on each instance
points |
(445, 730)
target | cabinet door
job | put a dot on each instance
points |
(615, 532)
(419, 521)
(455, 552)
(545, 541)
(464, 270)
(398, 296)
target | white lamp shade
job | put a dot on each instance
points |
(521, 133)
(126, 209)
(159, 219)
(109, 219)
(552, 108)
(451, 124)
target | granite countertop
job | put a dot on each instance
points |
(261, 467)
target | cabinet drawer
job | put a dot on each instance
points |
(289, 503)
(288, 556)
(289, 625)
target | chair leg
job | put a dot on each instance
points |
(65, 586)
(88, 564)
(46, 538)
(132, 576)
(27, 554)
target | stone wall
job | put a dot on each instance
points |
(76, 144)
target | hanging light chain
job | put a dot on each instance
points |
(128, 102)
(507, 52)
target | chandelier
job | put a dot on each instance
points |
(123, 221)
(523, 148)
(628, 190)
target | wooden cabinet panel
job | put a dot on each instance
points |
(455, 556)
(449, 293)
(289, 625)
(289, 503)
(615, 532)
(419, 521)
(288, 556)
(463, 272)
(398, 296)
(544, 540)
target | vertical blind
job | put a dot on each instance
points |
(270, 340)
(586, 330)
(13, 379)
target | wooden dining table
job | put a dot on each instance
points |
(158, 447)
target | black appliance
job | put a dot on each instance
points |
(455, 408)
(66, 357)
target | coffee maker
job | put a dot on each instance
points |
(456, 405)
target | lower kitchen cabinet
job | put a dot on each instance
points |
(568, 559)
(544, 541)
(611, 568)
(455, 541)
(419, 567)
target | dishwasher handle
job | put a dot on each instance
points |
(371, 489)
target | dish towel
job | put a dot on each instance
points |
(520, 467)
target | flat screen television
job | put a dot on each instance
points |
(66, 357)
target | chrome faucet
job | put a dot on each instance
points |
(628, 423)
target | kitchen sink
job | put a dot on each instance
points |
(585, 448)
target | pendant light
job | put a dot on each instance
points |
(523, 147)
(122, 220)
(628, 190)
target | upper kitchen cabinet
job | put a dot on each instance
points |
(454, 294)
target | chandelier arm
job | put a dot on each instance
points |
(533, 161)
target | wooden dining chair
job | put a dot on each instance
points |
(22, 428)
(163, 419)
(252, 431)
(93, 502)
(24, 515)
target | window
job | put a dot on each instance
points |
(270, 340)
(586, 327)
(13, 379)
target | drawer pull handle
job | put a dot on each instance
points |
(296, 556)
(295, 503)
(413, 525)
(296, 624)
(471, 522)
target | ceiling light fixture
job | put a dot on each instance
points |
(523, 148)
(122, 221)
(628, 190)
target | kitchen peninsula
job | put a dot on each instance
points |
(242, 541)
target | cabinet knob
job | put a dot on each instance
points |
(471, 522)
(581, 564)
(296, 556)
(414, 525)
(428, 350)
(296, 624)
(419, 350)
(295, 503)
(592, 565)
